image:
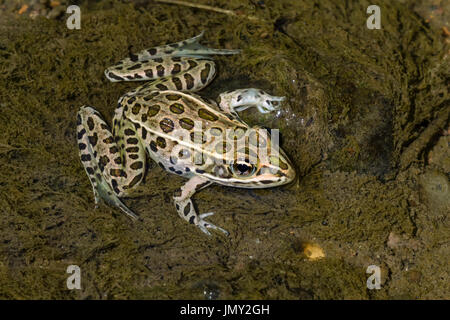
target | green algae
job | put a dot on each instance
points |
(363, 111)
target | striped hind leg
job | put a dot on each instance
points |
(201, 73)
(110, 165)
(151, 64)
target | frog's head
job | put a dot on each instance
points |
(270, 171)
(255, 166)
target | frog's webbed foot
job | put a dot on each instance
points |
(242, 99)
(192, 48)
(205, 225)
(105, 192)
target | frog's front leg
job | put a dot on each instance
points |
(239, 100)
(185, 207)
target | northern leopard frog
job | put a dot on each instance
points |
(185, 134)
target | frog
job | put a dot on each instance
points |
(165, 121)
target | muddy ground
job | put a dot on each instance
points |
(366, 123)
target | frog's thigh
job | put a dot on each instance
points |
(200, 74)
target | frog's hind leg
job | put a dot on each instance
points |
(103, 161)
(197, 76)
(162, 61)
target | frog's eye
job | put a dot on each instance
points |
(242, 169)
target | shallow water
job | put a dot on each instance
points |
(365, 123)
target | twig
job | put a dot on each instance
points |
(206, 7)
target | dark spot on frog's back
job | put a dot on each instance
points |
(173, 97)
(136, 108)
(160, 86)
(113, 150)
(189, 81)
(153, 146)
(149, 73)
(137, 165)
(192, 64)
(176, 68)
(177, 108)
(186, 123)
(131, 100)
(90, 123)
(132, 149)
(117, 173)
(136, 66)
(153, 110)
(187, 209)
(113, 76)
(207, 115)
(166, 125)
(93, 139)
(108, 140)
(152, 51)
(177, 82)
(160, 70)
(144, 133)
(161, 142)
(115, 186)
(132, 141)
(85, 157)
(81, 133)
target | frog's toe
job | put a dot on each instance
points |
(105, 192)
(205, 225)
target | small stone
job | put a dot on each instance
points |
(313, 251)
